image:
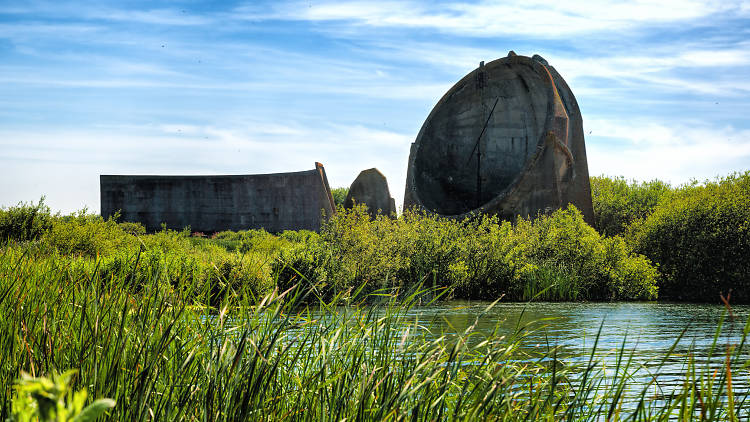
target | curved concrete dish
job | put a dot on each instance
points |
(507, 139)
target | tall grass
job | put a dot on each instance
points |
(292, 356)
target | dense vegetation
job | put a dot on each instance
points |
(555, 257)
(290, 356)
(249, 325)
(339, 195)
(683, 243)
(618, 203)
(698, 234)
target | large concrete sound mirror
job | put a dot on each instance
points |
(507, 139)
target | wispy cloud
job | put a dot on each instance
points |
(99, 11)
(171, 17)
(179, 148)
(91, 87)
(31, 30)
(492, 18)
(660, 69)
(644, 149)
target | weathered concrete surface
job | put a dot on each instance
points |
(274, 202)
(371, 188)
(507, 139)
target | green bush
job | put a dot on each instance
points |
(87, 234)
(166, 259)
(306, 266)
(590, 266)
(339, 195)
(25, 221)
(558, 257)
(148, 266)
(136, 229)
(555, 257)
(239, 275)
(255, 241)
(700, 237)
(618, 202)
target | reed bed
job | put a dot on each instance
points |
(292, 355)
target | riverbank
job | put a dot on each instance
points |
(555, 257)
(291, 356)
(176, 325)
(688, 243)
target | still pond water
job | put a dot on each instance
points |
(649, 329)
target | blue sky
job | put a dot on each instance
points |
(184, 87)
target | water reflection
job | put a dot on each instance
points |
(650, 327)
(649, 330)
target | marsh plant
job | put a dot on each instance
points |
(295, 355)
(311, 326)
(654, 241)
(477, 258)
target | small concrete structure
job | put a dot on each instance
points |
(371, 188)
(274, 202)
(507, 139)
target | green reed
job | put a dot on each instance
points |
(291, 355)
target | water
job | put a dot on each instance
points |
(650, 330)
(650, 327)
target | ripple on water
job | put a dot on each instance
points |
(649, 330)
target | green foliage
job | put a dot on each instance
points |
(618, 202)
(555, 257)
(305, 264)
(136, 229)
(339, 195)
(239, 262)
(87, 235)
(237, 274)
(700, 237)
(290, 356)
(592, 267)
(482, 258)
(25, 221)
(53, 400)
(245, 241)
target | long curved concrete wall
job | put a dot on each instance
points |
(274, 202)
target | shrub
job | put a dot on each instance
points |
(481, 258)
(339, 195)
(88, 235)
(237, 275)
(25, 221)
(700, 237)
(360, 250)
(306, 265)
(136, 229)
(555, 257)
(255, 241)
(618, 203)
(563, 247)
